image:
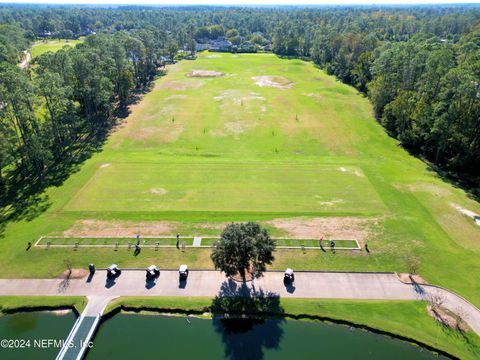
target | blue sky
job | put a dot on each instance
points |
(244, 2)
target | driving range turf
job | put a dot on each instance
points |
(299, 151)
(41, 46)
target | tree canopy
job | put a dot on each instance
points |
(242, 248)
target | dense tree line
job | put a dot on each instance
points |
(420, 67)
(68, 99)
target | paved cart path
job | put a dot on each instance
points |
(321, 285)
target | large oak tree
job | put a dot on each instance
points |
(242, 248)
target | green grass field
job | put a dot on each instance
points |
(305, 158)
(40, 47)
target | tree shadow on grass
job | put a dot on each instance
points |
(241, 318)
(22, 192)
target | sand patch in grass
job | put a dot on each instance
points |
(328, 227)
(167, 134)
(111, 228)
(236, 97)
(273, 81)
(313, 95)
(74, 274)
(176, 97)
(234, 128)
(179, 85)
(157, 191)
(205, 73)
(469, 213)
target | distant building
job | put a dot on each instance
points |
(220, 45)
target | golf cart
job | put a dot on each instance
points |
(152, 272)
(113, 271)
(289, 277)
(183, 272)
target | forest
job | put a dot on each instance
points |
(419, 66)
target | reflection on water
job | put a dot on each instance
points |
(22, 323)
(130, 336)
(34, 330)
(248, 336)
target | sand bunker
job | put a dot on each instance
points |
(273, 81)
(205, 73)
(104, 165)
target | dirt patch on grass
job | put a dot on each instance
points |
(273, 81)
(205, 73)
(179, 85)
(355, 172)
(237, 97)
(407, 278)
(328, 227)
(157, 191)
(234, 128)
(74, 274)
(313, 95)
(168, 133)
(176, 97)
(105, 228)
(469, 213)
(428, 188)
(447, 318)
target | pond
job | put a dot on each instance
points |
(34, 332)
(130, 336)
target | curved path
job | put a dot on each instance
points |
(321, 285)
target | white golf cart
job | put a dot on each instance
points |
(152, 272)
(289, 277)
(113, 271)
(183, 272)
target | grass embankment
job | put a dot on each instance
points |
(405, 319)
(9, 304)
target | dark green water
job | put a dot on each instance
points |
(32, 331)
(158, 337)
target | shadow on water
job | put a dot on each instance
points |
(240, 317)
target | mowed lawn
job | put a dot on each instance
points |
(272, 140)
(237, 186)
(40, 47)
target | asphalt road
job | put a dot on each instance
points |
(320, 285)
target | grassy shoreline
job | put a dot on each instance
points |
(401, 319)
(13, 304)
(406, 320)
